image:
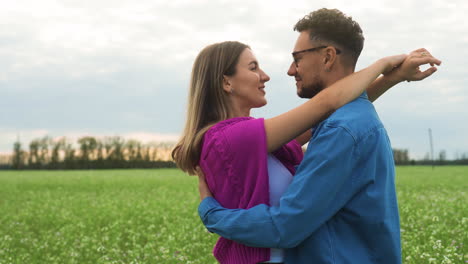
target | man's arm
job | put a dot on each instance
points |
(380, 86)
(320, 188)
(304, 137)
(408, 71)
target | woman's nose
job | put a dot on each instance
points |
(265, 77)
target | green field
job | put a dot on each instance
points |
(150, 216)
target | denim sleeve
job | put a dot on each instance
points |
(321, 187)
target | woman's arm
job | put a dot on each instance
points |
(285, 127)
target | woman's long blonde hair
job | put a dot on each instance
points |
(208, 103)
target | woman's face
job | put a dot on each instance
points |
(248, 84)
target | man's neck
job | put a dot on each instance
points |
(338, 74)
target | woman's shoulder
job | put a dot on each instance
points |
(234, 135)
(224, 126)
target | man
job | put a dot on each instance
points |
(341, 206)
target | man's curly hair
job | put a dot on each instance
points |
(333, 27)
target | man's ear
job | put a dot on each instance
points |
(330, 58)
(227, 87)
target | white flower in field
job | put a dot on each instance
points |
(163, 250)
(101, 248)
(446, 260)
(438, 245)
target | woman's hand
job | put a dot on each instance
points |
(202, 185)
(409, 70)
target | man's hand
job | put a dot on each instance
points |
(409, 70)
(202, 186)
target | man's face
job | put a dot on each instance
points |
(307, 67)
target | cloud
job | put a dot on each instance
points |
(123, 66)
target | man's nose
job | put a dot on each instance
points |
(292, 69)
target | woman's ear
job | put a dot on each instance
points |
(227, 87)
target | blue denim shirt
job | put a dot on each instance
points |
(341, 206)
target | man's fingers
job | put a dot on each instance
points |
(199, 171)
(416, 59)
(424, 53)
(203, 188)
(421, 50)
(420, 53)
(426, 60)
(423, 75)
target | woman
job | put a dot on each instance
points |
(232, 148)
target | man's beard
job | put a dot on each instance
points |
(311, 90)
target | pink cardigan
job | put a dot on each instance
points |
(234, 160)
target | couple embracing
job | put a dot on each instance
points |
(269, 202)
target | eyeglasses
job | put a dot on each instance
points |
(296, 59)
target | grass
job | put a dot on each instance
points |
(150, 216)
(434, 214)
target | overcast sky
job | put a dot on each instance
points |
(121, 67)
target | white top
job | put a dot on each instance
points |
(279, 179)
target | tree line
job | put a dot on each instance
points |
(115, 152)
(89, 153)
(401, 157)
